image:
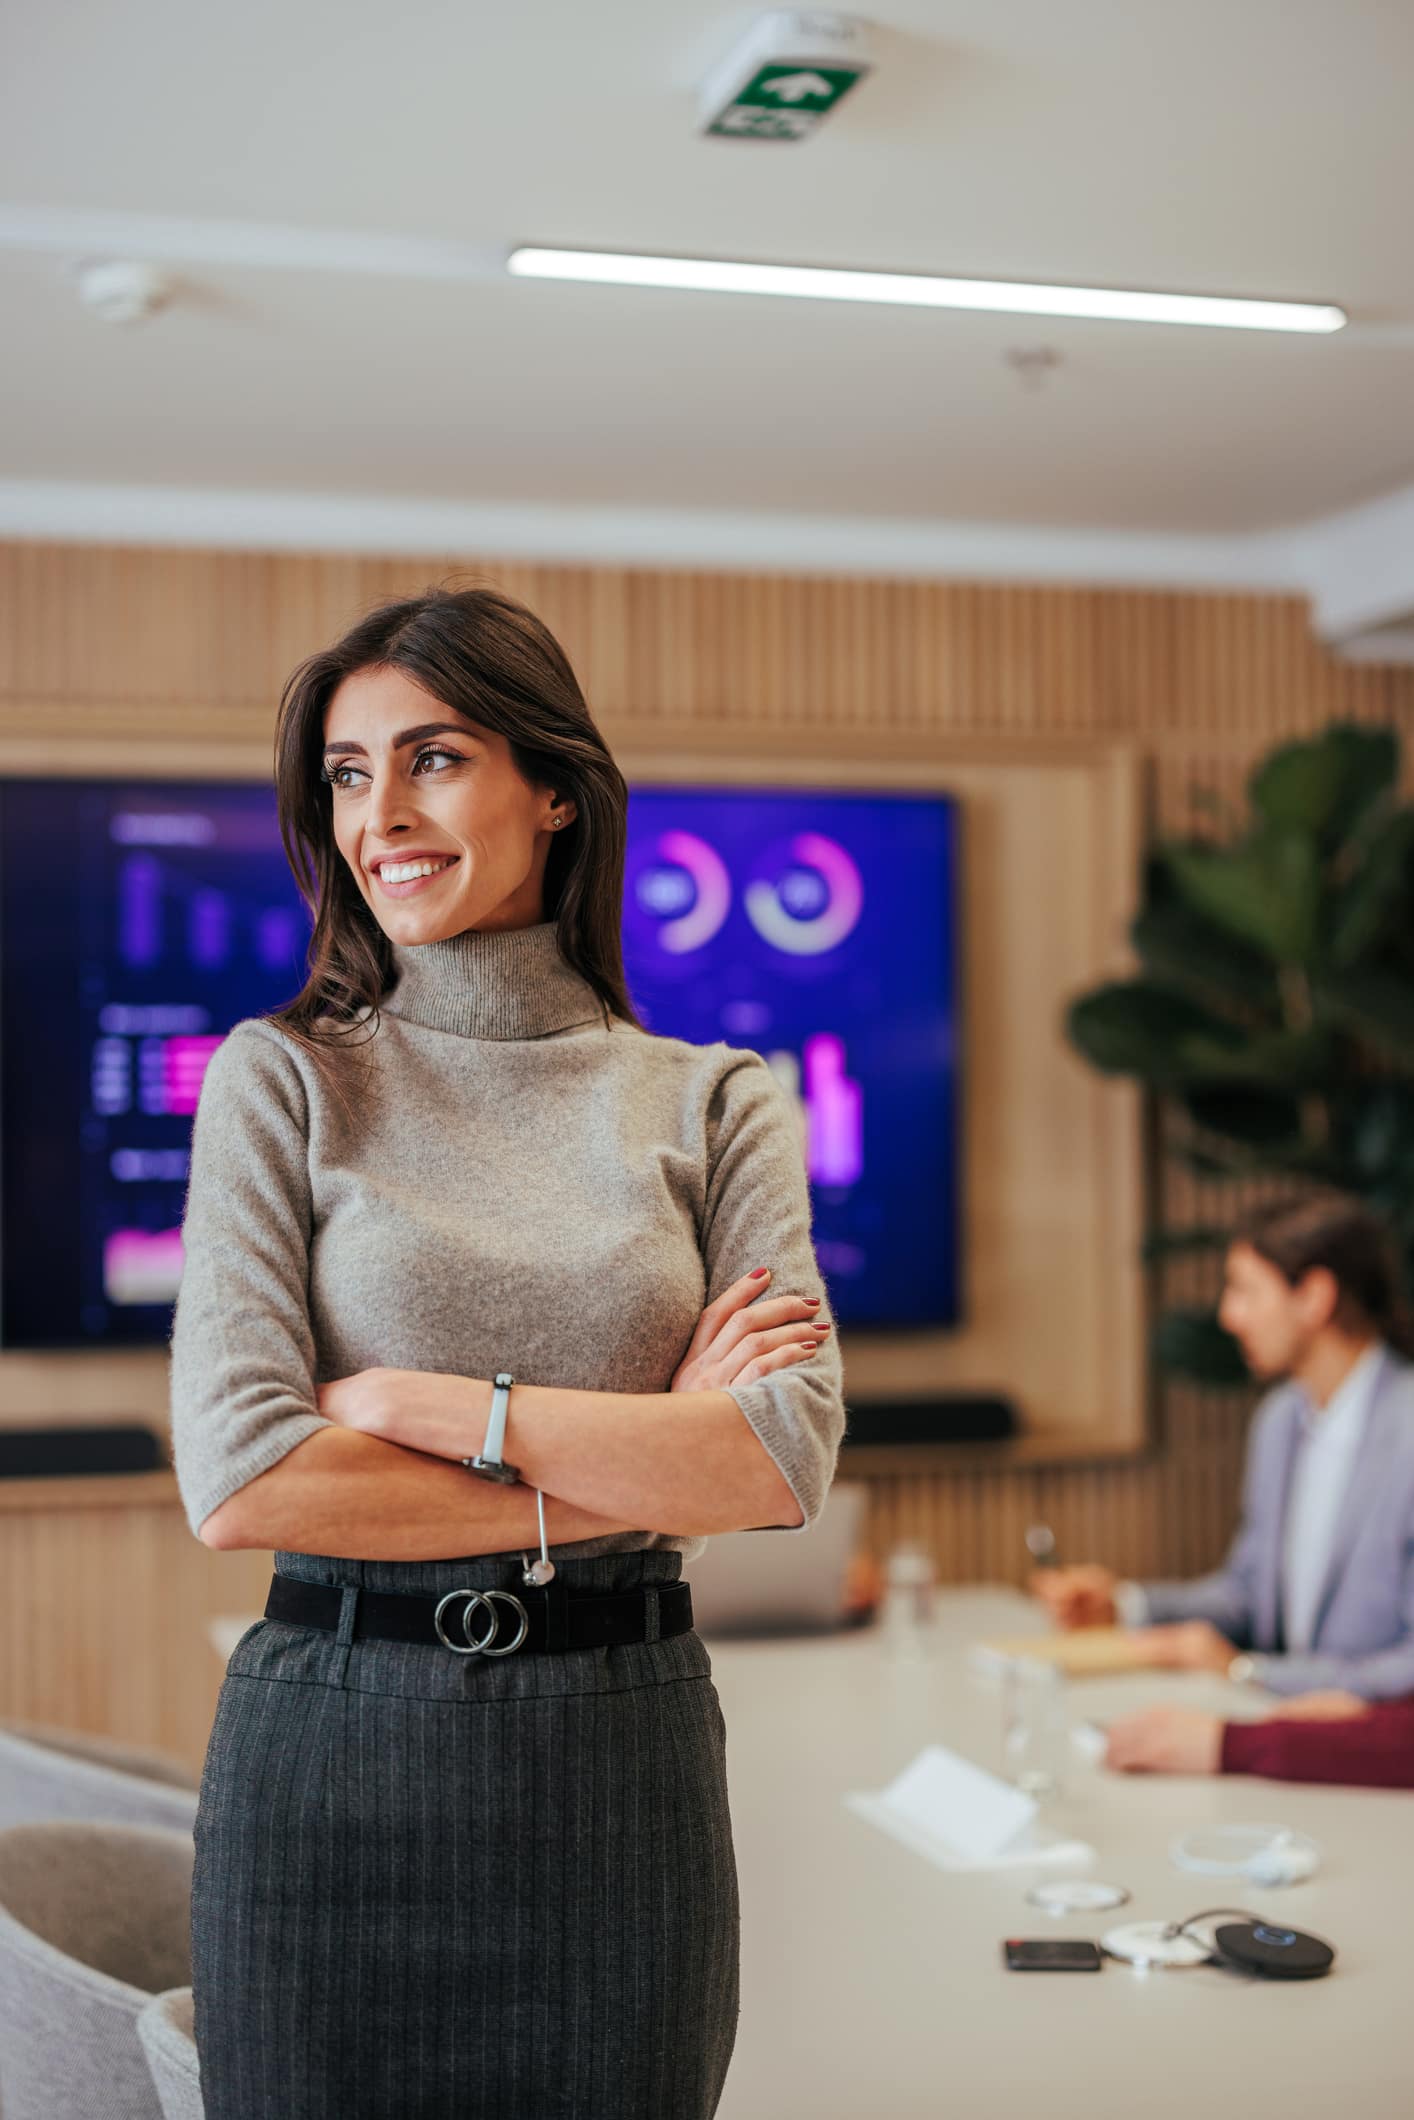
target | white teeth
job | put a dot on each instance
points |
(404, 871)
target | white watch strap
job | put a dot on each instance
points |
(492, 1449)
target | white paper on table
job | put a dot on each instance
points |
(962, 1818)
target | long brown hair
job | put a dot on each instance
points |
(1355, 1246)
(489, 659)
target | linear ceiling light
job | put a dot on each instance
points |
(922, 290)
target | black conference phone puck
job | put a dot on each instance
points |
(1274, 1953)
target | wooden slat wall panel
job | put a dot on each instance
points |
(104, 1611)
(124, 642)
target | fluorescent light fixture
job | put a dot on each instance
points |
(613, 268)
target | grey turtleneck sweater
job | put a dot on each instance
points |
(520, 1184)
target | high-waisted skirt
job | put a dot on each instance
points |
(432, 1887)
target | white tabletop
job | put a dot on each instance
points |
(873, 1982)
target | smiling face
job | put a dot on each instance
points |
(439, 803)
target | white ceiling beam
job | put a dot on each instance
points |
(1360, 569)
(722, 540)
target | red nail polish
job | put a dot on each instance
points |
(811, 1302)
(758, 1273)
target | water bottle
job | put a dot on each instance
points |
(910, 1582)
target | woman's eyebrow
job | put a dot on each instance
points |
(404, 737)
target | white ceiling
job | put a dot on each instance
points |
(1258, 147)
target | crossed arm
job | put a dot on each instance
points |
(367, 1467)
(386, 1483)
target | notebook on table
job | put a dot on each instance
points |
(1086, 1652)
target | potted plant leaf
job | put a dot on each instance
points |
(1273, 1014)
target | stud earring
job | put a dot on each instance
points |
(556, 822)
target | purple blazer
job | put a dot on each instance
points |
(1364, 1633)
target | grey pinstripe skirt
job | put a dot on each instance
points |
(451, 1889)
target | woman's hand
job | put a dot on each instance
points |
(740, 1337)
(444, 1416)
(745, 1335)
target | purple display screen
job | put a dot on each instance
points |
(815, 929)
(819, 930)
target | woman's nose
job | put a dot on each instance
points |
(389, 804)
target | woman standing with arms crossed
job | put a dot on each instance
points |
(463, 1847)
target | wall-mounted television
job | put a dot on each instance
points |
(140, 920)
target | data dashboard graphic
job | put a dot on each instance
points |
(819, 930)
(139, 922)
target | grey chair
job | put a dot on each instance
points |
(47, 1773)
(165, 2029)
(95, 1921)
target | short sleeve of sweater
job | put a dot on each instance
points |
(757, 1213)
(243, 1363)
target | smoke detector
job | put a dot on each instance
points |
(1032, 365)
(124, 290)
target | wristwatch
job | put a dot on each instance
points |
(490, 1465)
(1242, 1670)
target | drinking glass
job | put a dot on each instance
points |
(1035, 1728)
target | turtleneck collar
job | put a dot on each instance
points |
(491, 983)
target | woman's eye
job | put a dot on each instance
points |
(337, 775)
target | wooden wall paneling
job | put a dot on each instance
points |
(105, 1603)
(108, 654)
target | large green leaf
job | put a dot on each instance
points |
(1257, 1118)
(1376, 1004)
(1191, 1343)
(1323, 785)
(1281, 1060)
(1181, 946)
(1266, 891)
(1380, 893)
(1137, 1027)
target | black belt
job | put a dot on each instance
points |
(488, 1622)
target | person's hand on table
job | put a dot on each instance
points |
(1320, 1707)
(1076, 1597)
(1165, 1741)
(1186, 1741)
(1190, 1645)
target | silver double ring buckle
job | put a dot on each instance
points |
(479, 1600)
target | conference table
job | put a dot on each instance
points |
(873, 1982)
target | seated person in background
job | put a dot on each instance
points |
(1317, 1592)
(1317, 1737)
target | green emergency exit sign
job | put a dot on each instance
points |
(785, 102)
(785, 76)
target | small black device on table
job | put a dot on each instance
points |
(1051, 1954)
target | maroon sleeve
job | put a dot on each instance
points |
(1375, 1751)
